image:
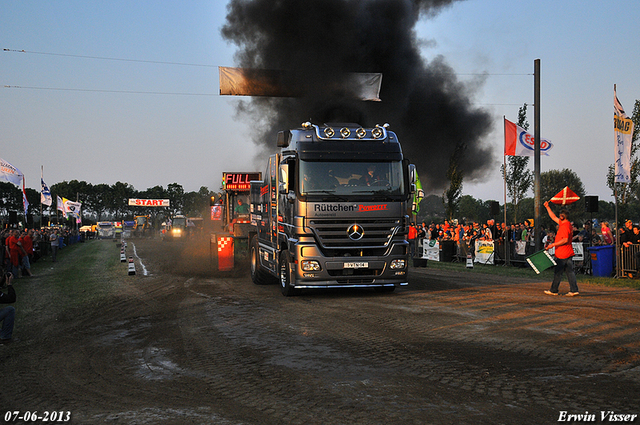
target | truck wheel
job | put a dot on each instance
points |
(258, 275)
(286, 276)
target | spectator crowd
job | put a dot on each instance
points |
(20, 248)
(518, 240)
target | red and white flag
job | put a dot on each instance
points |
(517, 142)
(565, 196)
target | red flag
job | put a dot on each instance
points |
(565, 196)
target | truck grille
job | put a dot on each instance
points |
(377, 234)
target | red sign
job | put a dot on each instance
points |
(238, 181)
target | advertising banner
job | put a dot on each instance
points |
(431, 249)
(484, 252)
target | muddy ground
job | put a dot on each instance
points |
(179, 343)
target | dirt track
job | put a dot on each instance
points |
(183, 345)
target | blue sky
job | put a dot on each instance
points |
(149, 123)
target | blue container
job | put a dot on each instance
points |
(602, 260)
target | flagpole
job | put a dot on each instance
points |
(507, 239)
(615, 194)
(41, 180)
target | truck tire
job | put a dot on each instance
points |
(286, 276)
(259, 276)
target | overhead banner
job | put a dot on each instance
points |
(623, 131)
(275, 83)
(149, 202)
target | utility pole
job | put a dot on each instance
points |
(536, 161)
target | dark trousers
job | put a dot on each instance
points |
(564, 266)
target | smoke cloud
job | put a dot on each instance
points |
(323, 40)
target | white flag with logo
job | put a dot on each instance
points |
(9, 173)
(623, 130)
(72, 208)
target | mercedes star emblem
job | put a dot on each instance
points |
(355, 232)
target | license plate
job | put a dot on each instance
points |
(360, 265)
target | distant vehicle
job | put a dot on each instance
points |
(178, 228)
(142, 225)
(106, 230)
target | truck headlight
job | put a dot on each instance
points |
(397, 264)
(310, 265)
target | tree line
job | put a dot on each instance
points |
(103, 202)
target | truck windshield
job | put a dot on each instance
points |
(351, 178)
(180, 221)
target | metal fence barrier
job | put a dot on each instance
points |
(628, 262)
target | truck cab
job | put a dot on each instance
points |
(332, 210)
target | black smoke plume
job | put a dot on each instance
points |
(322, 40)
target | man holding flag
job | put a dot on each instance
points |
(563, 253)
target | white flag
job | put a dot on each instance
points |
(623, 131)
(9, 173)
(72, 208)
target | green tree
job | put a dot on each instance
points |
(517, 175)
(118, 199)
(451, 196)
(175, 192)
(553, 181)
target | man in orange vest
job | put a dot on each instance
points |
(563, 253)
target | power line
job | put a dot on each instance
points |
(110, 91)
(211, 66)
(109, 59)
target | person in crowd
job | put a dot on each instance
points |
(8, 313)
(15, 251)
(54, 239)
(413, 232)
(607, 236)
(27, 245)
(548, 238)
(629, 237)
(563, 253)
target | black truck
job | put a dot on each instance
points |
(332, 210)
